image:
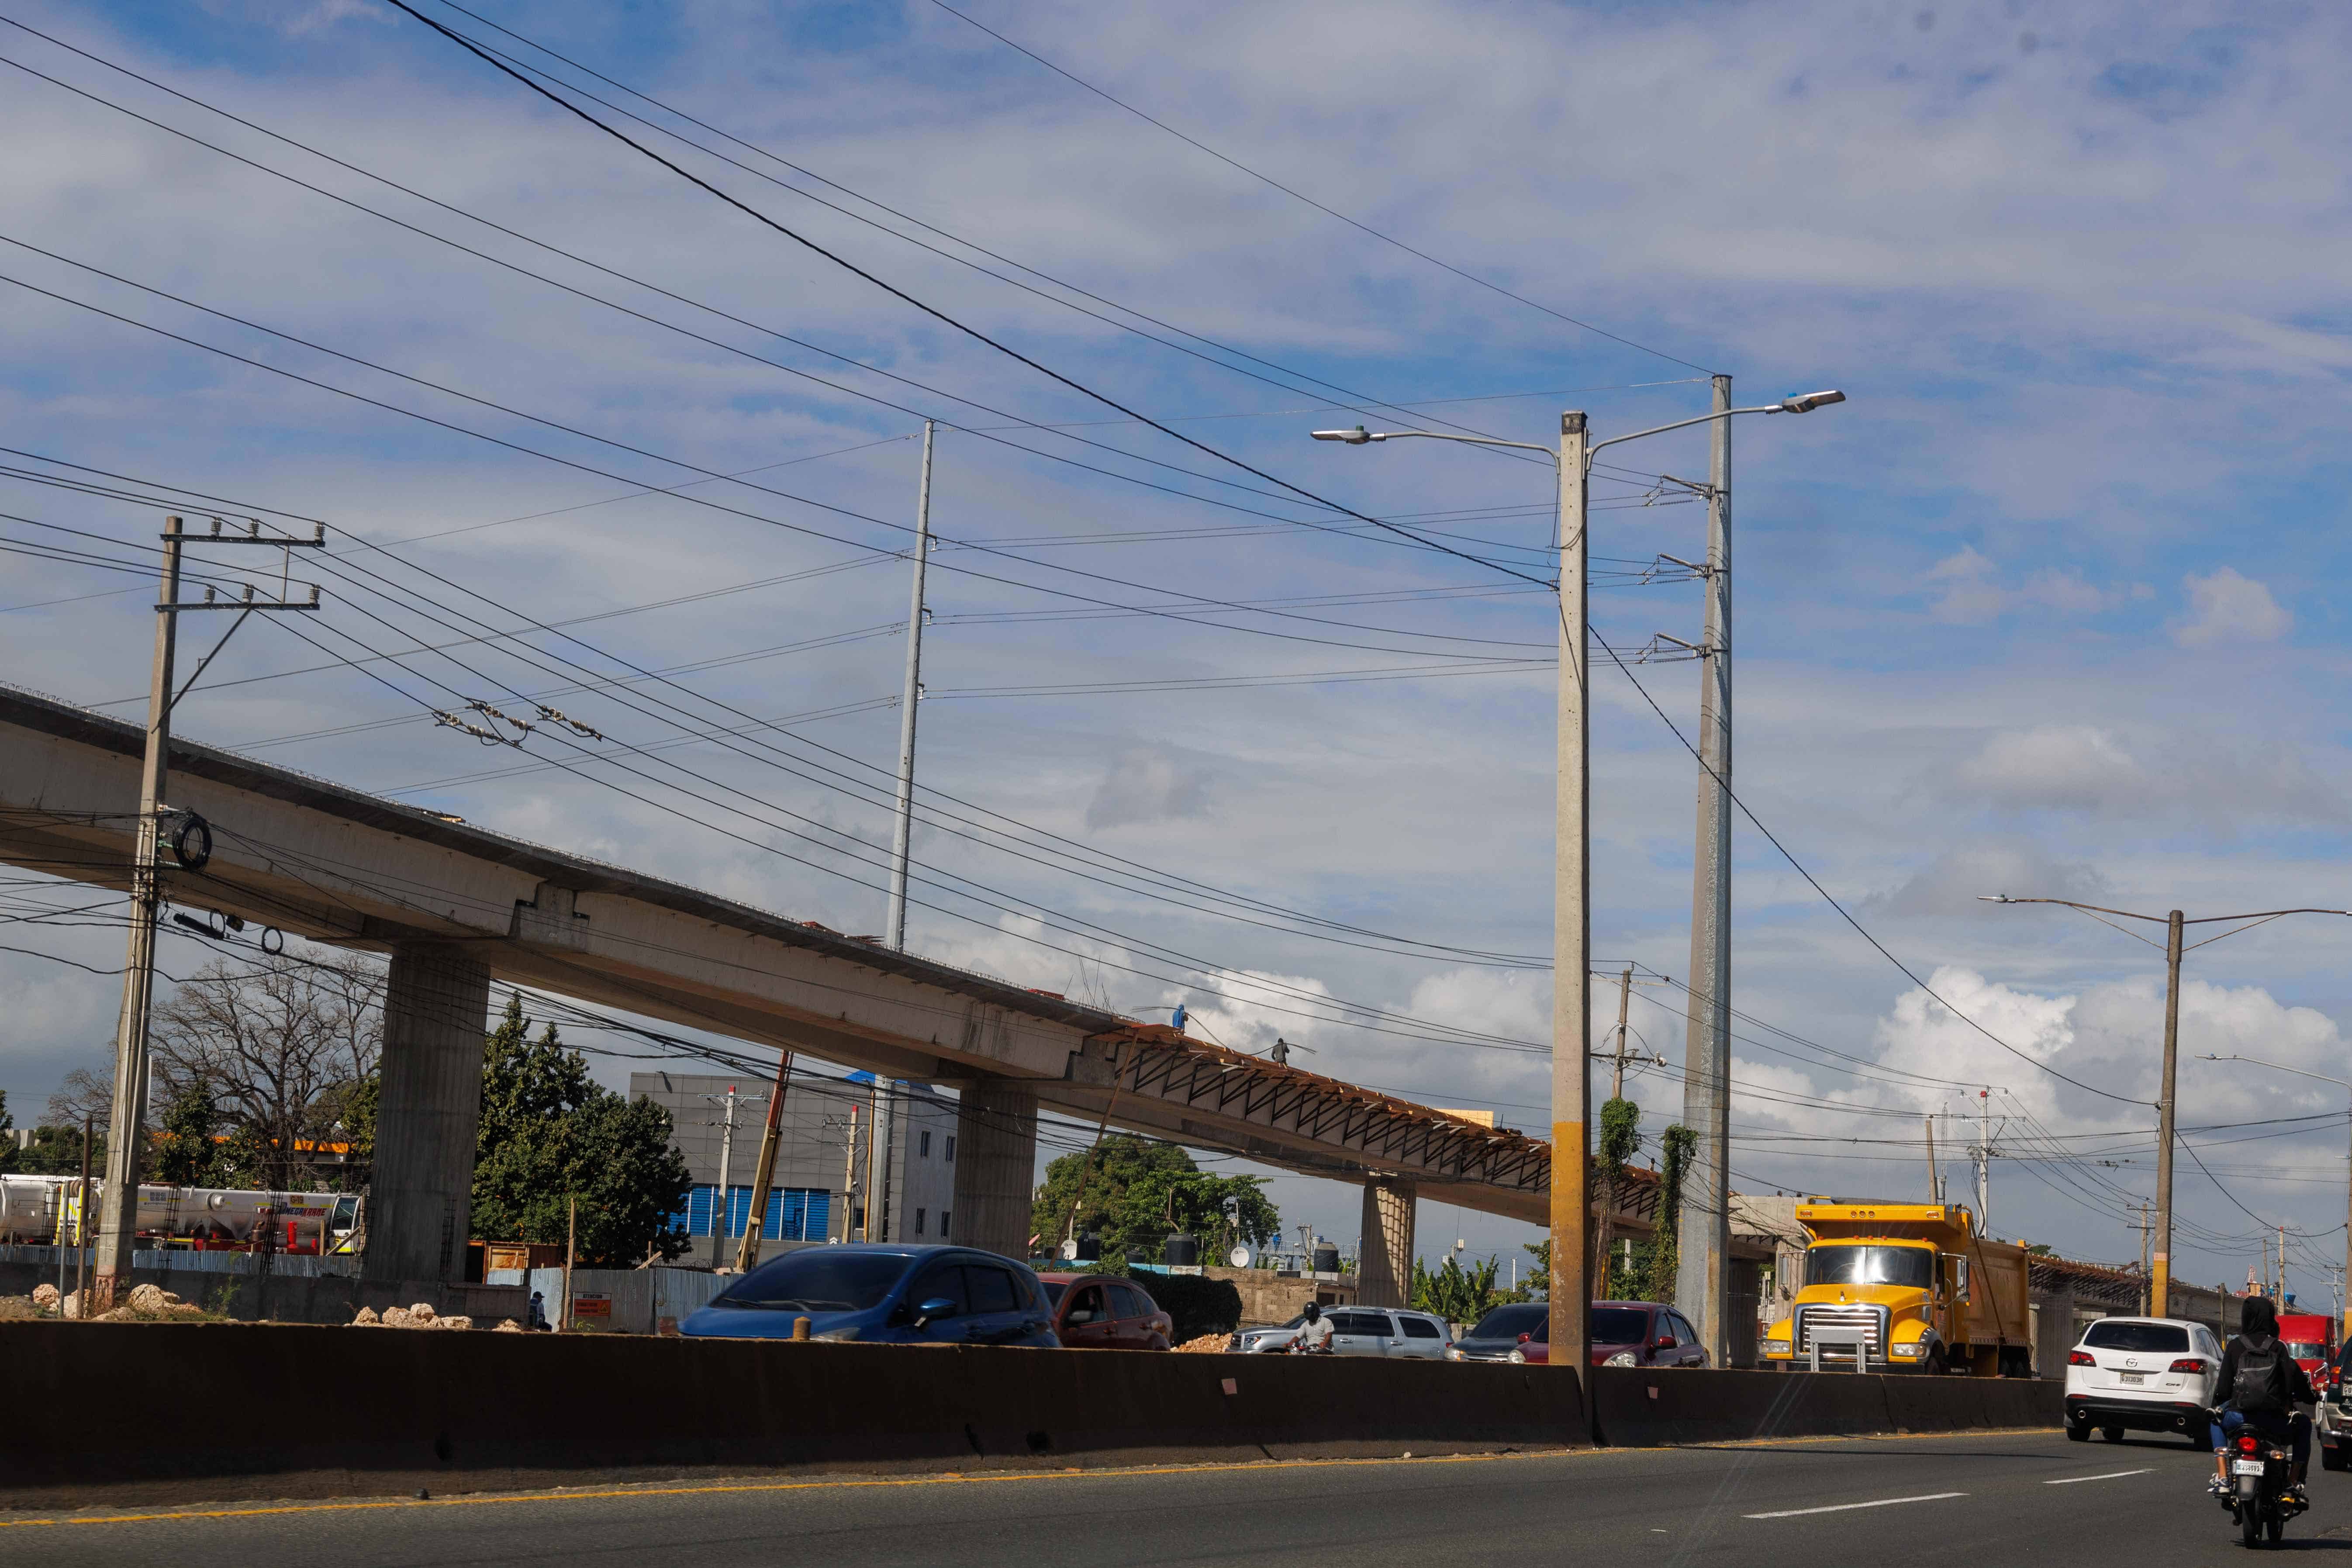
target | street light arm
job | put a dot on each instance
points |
(2279, 1066)
(1359, 436)
(1684, 424)
(2102, 909)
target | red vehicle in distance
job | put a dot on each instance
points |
(1093, 1311)
(2308, 1337)
(1624, 1333)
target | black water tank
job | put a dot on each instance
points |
(1327, 1259)
(1089, 1249)
(1181, 1251)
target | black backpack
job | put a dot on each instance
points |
(2261, 1384)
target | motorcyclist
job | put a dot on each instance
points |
(2261, 1386)
(1314, 1336)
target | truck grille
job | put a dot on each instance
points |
(1870, 1319)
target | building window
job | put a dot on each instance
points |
(927, 1146)
(919, 1222)
(943, 1214)
(951, 1148)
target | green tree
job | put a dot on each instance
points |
(1666, 1250)
(1137, 1191)
(549, 1134)
(186, 1155)
(7, 1146)
(57, 1152)
(1458, 1295)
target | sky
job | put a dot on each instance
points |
(2038, 610)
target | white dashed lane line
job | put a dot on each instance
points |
(2110, 1476)
(1849, 1507)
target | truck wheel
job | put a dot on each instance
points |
(1937, 1364)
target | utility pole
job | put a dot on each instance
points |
(1625, 1002)
(2160, 1288)
(878, 1165)
(571, 1252)
(849, 1178)
(1935, 1172)
(720, 1209)
(2280, 1294)
(192, 845)
(902, 839)
(1702, 1284)
(2145, 1228)
(1984, 1161)
(756, 1223)
(1570, 1287)
(2160, 1277)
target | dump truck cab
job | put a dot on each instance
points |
(1903, 1288)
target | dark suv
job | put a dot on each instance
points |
(886, 1294)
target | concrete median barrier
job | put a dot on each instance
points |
(166, 1412)
(121, 1413)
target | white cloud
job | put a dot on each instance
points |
(2052, 765)
(1149, 784)
(2225, 607)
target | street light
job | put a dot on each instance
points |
(1572, 1009)
(2160, 1276)
(2343, 1084)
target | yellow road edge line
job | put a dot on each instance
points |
(954, 1478)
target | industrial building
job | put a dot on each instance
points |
(838, 1141)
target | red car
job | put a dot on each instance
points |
(1093, 1313)
(1624, 1333)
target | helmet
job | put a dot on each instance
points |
(1313, 1311)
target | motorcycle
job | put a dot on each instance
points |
(2261, 1496)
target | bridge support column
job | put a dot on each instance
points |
(420, 1196)
(1384, 1266)
(996, 1155)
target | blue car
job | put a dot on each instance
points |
(885, 1294)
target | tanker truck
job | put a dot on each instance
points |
(46, 1209)
(1923, 1290)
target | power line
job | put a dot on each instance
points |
(1285, 189)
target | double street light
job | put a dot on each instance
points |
(2160, 1275)
(1571, 1090)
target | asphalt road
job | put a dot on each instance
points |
(1984, 1501)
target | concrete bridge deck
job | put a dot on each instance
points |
(453, 905)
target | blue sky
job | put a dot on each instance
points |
(2044, 608)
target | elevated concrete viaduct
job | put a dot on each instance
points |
(455, 906)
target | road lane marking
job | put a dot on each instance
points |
(1849, 1507)
(2110, 1476)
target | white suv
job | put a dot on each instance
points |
(1363, 1330)
(2142, 1375)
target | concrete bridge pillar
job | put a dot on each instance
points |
(996, 1155)
(420, 1196)
(1384, 1267)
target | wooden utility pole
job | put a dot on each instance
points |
(749, 1252)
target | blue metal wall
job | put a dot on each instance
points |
(794, 1214)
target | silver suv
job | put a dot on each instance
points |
(1363, 1330)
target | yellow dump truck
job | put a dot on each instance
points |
(1916, 1283)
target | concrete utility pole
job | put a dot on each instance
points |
(1570, 1331)
(192, 845)
(2160, 1275)
(1984, 1161)
(878, 1165)
(719, 1215)
(902, 839)
(1624, 1004)
(1701, 1284)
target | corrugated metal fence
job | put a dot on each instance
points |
(625, 1301)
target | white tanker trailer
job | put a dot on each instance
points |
(43, 1209)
